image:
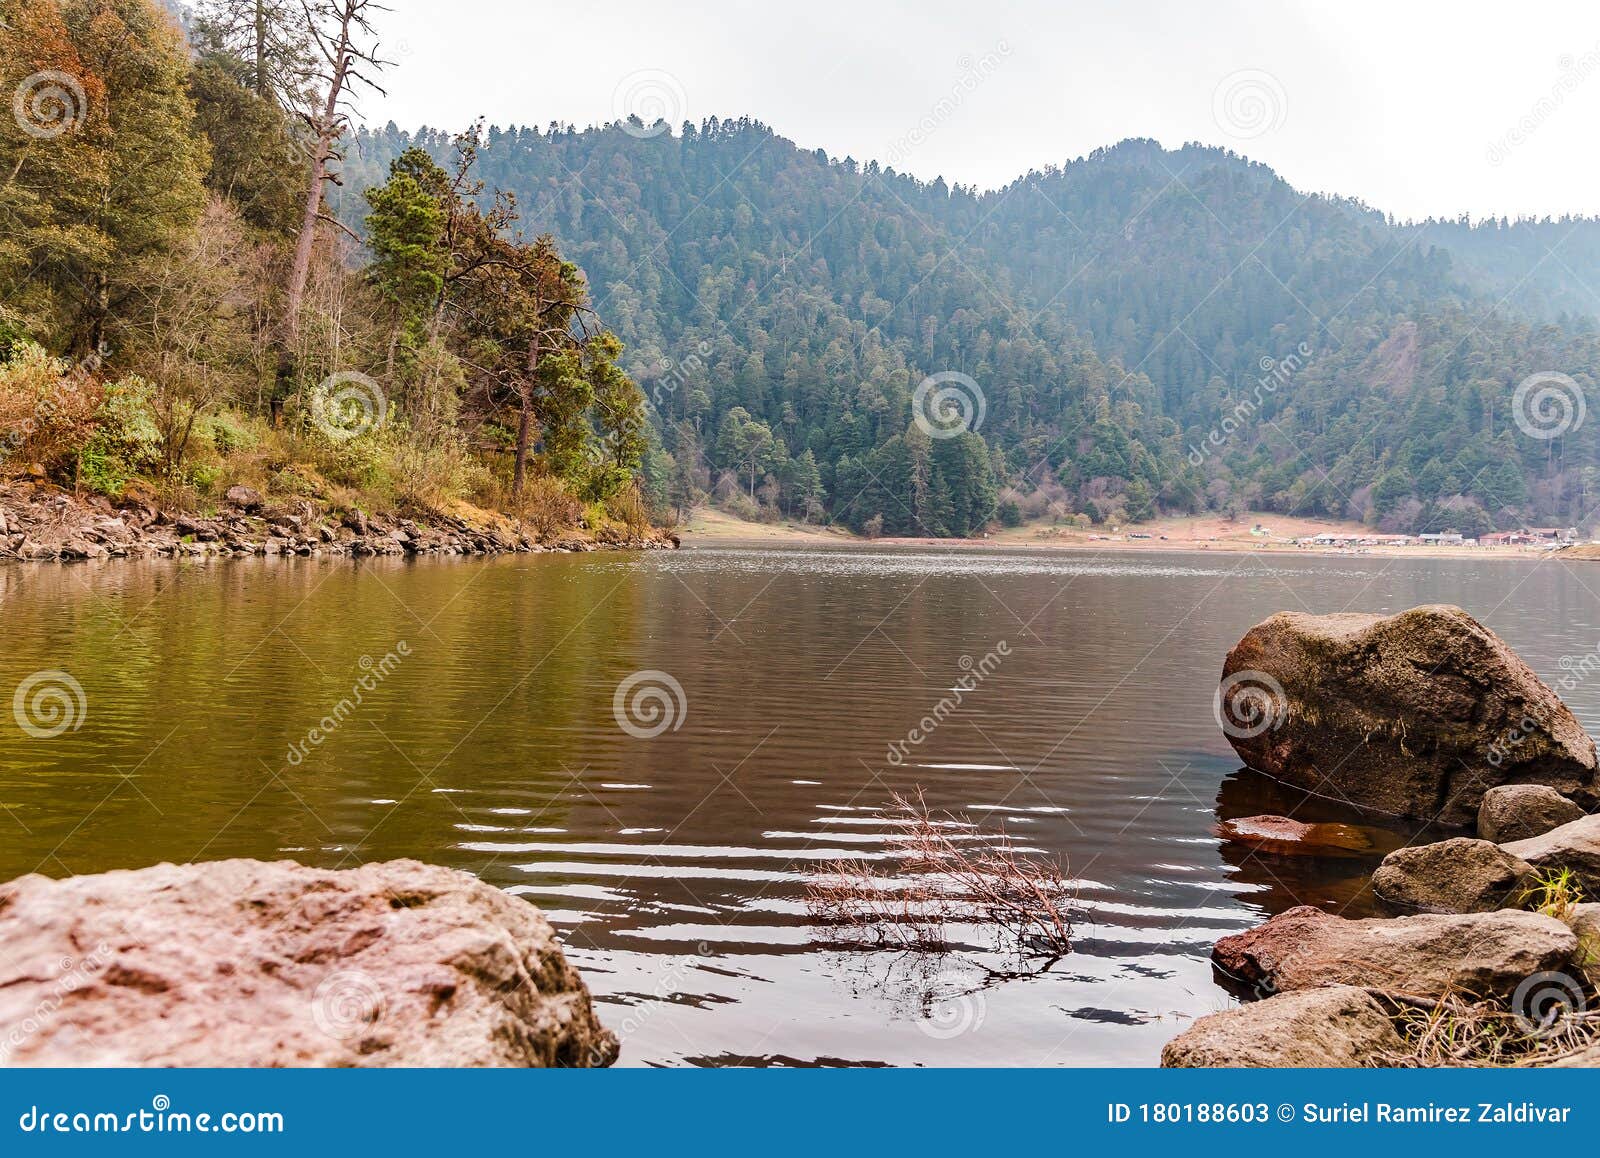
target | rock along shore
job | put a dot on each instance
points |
(42, 523)
(1424, 714)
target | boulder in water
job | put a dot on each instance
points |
(1417, 714)
(1521, 811)
(1481, 954)
(1282, 836)
(1461, 875)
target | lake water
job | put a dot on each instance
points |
(675, 865)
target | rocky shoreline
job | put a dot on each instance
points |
(43, 523)
(1489, 949)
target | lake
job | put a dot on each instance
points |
(771, 701)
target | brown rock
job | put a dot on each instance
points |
(242, 963)
(1520, 811)
(1585, 923)
(245, 498)
(1340, 1027)
(1484, 954)
(1461, 875)
(1285, 837)
(1574, 846)
(1417, 714)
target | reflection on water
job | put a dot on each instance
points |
(675, 866)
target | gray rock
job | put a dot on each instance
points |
(1520, 811)
(1482, 954)
(242, 963)
(1417, 714)
(1461, 875)
(1574, 846)
(1339, 1027)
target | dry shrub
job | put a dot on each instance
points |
(949, 874)
(545, 505)
(46, 411)
(629, 508)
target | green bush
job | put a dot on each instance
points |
(126, 442)
(230, 434)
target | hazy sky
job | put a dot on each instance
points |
(1417, 108)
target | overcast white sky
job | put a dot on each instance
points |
(1417, 108)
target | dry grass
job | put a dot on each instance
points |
(1451, 1032)
(949, 874)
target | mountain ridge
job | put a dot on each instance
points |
(1115, 311)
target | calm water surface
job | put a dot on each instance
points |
(675, 867)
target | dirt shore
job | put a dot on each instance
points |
(1209, 533)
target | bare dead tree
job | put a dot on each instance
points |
(345, 41)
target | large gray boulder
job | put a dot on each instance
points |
(1520, 811)
(1460, 875)
(241, 963)
(1480, 954)
(1341, 1026)
(1574, 846)
(1416, 714)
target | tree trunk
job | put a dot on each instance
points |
(519, 472)
(261, 49)
(327, 129)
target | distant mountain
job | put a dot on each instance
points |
(1150, 330)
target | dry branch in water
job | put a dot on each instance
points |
(948, 874)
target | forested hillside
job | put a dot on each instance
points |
(1150, 330)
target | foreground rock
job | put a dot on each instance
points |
(1341, 1026)
(1484, 954)
(1418, 714)
(242, 963)
(1282, 836)
(1574, 846)
(1520, 811)
(1461, 875)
